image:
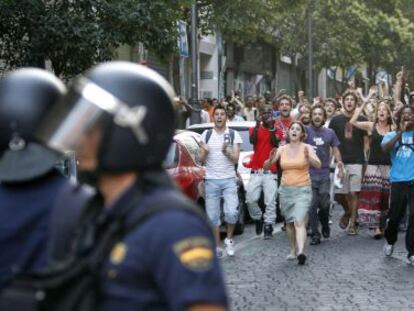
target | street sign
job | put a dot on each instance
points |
(350, 72)
(182, 39)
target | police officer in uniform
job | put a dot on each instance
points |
(29, 181)
(120, 118)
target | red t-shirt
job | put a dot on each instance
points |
(283, 125)
(263, 147)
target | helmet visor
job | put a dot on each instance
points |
(82, 109)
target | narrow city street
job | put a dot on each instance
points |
(342, 273)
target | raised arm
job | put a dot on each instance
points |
(186, 105)
(234, 99)
(397, 88)
(363, 125)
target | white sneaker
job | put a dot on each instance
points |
(410, 260)
(290, 257)
(388, 249)
(229, 246)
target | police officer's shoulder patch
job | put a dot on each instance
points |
(118, 253)
(195, 253)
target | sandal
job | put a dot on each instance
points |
(378, 234)
(352, 230)
(343, 223)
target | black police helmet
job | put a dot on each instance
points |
(133, 107)
(25, 97)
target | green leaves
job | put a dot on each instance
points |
(244, 21)
(76, 34)
(349, 32)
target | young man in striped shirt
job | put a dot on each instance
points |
(220, 149)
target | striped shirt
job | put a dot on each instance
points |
(218, 166)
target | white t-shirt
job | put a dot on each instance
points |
(250, 114)
(218, 166)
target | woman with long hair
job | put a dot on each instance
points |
(295, 188)
(375, 187)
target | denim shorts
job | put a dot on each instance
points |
(226, 188)
(295, 202)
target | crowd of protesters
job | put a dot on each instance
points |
(354, 150)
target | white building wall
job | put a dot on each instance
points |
(208, 67)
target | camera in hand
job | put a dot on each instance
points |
(227, 142)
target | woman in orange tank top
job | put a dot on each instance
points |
(295, 189)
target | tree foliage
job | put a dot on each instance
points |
(75, 34)
(244, 21)
(348, 32)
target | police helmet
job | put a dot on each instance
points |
(133, 107)
(25, 96)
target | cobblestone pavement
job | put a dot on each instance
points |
(342, 273)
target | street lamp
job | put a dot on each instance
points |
(311, 4)
(195, 115)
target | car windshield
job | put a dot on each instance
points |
(246, 145)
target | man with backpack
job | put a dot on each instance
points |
(139, 244)
(220, 150)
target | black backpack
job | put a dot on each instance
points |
(71, 285)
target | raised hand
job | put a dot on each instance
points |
(400, 76)
(351, 84)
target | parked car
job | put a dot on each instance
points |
(183, 165)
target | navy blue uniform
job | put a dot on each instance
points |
(24, 223)
(166, 263)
